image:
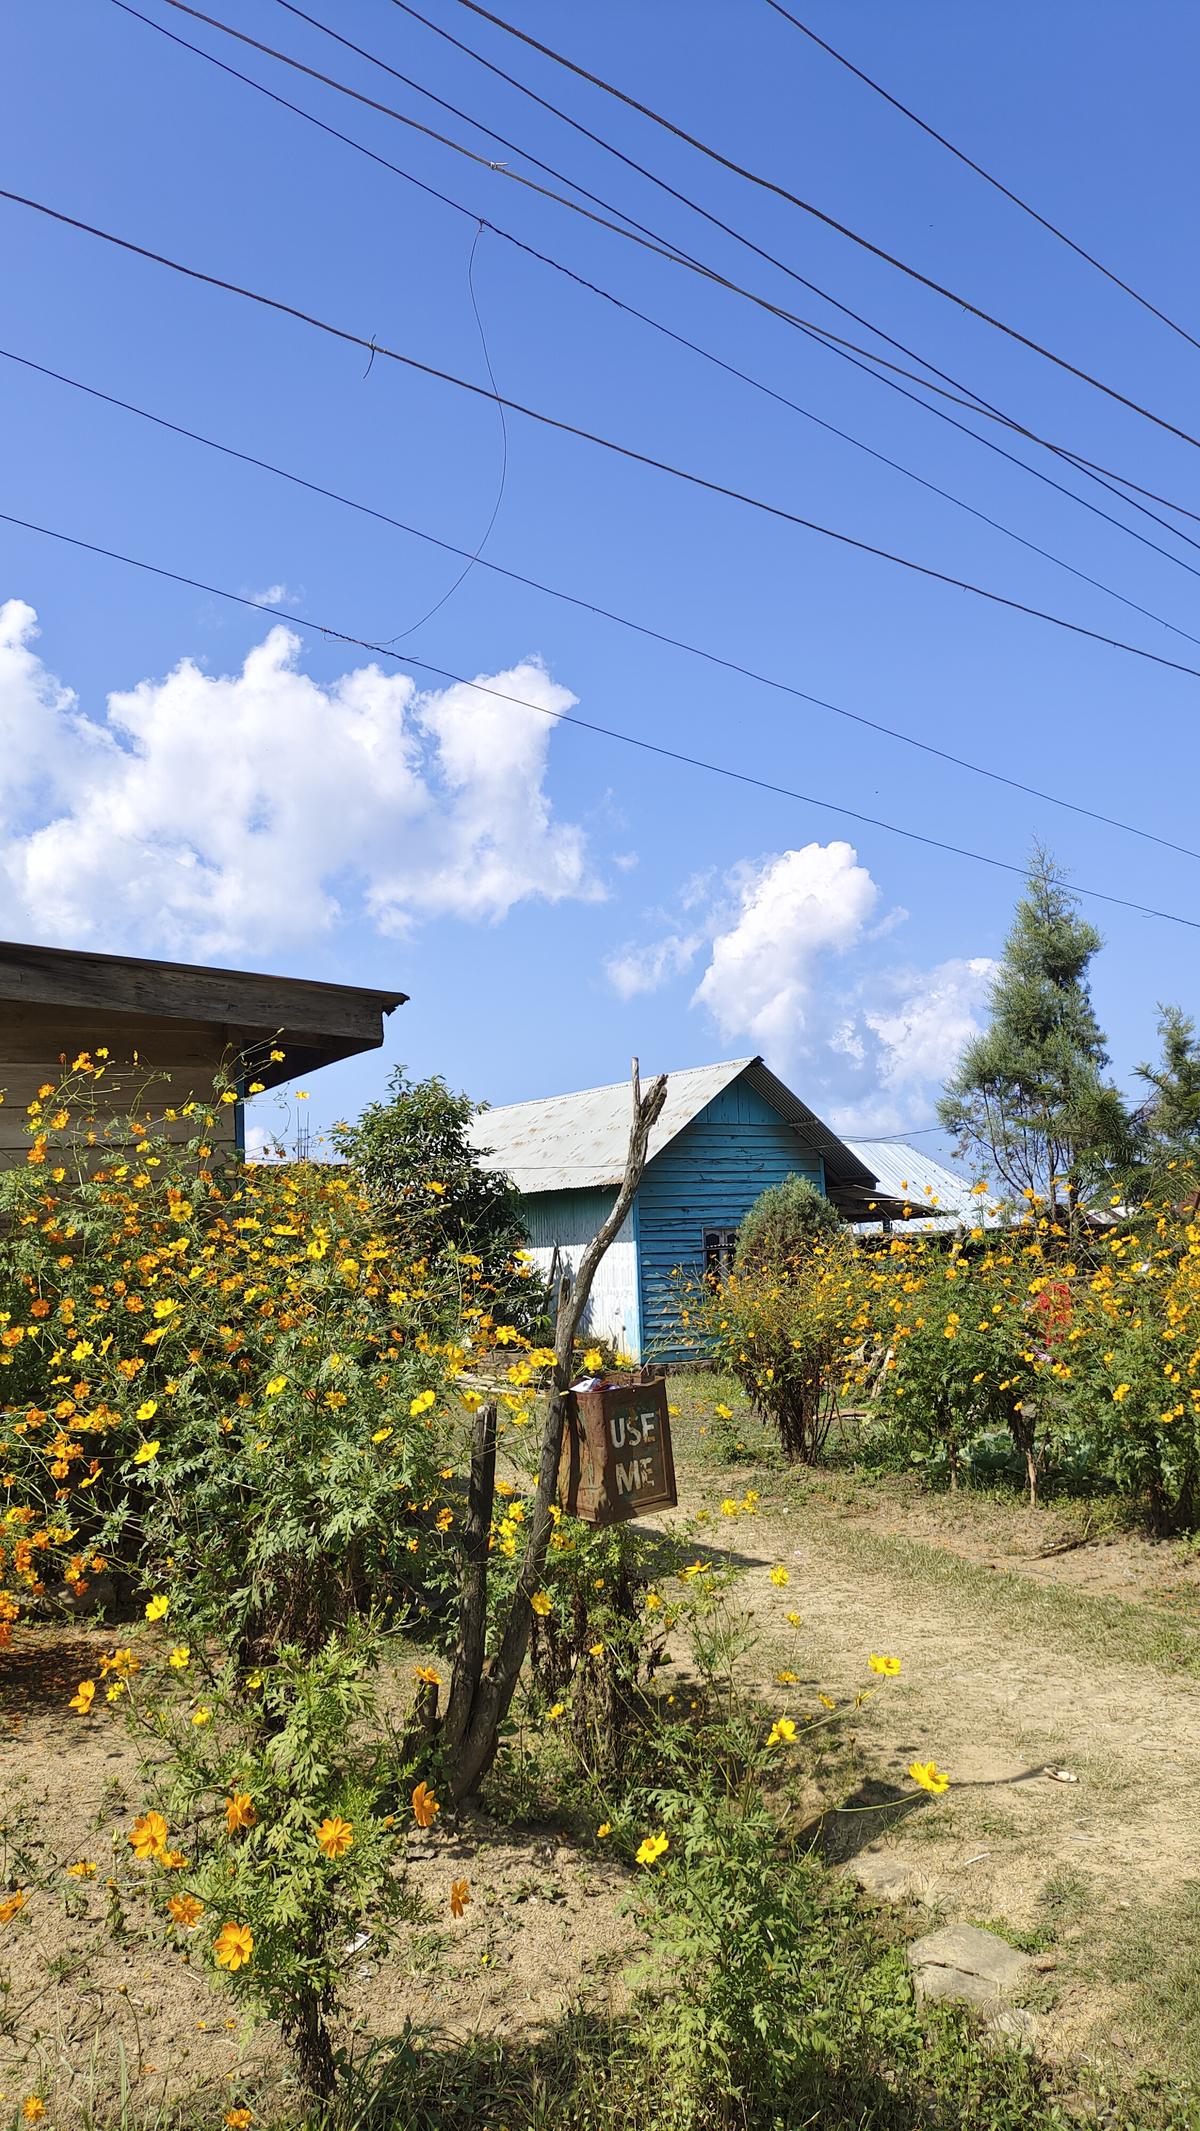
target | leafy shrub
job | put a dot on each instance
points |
(787, 1336)
(784, 1223)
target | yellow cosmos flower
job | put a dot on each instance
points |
(147, 1453)
(780, 1576)
(460, 1895)
(180, 1657)
(334, 1837)
(889, 1666)
(605, 1828)
(276, 1385)
(652, 1848)
(422, 1403)
(83, 1868)
(593, 1361)
(10, 1906)
(158, 1607)
(147, 1837)
(202, 1715)
(782, 1732)
(83, 1697)
(147, 1410)
(33, 2108)
(542, 1603)
(185, 1910)
(239, 1811)
(930, 1777)
(233, 1946)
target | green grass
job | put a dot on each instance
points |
(1103, 1630)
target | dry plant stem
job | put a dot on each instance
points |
(472, 1619)
(491, 1695)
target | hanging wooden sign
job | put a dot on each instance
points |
(617, 1460)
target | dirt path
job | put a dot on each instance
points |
(1002, 1677)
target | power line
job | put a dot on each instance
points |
(963, 396)
(638, 233)
(986, 175)
(708, 355)
(819, 214)
(625, 451)
(562, 717)
(588, 606)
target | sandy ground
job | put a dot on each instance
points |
(992, 1693)
(86, 2012)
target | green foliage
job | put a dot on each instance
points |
(222, 1381)
(280, 1800)
(1029, 1096)
(786, 1221)
(1168, 1122)
(786, 1336)
(423, 1171)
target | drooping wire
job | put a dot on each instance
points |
(608, 614)
(872, 364)
(473, 558)
(776, 511)
(569, 720)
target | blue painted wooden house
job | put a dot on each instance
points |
(726, 1132)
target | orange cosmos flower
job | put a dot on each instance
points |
(335, 1836)
(425, 1806)
(233, 1946)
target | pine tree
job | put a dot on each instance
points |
(1168, 1122)
(1031, 1095)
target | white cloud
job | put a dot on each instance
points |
(645, 969)
(790, 913)
(925, 1031)
(275, 596)
(796, 967)
(206, 813)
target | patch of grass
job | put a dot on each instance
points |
(1154, 1957)
(1103, 1630)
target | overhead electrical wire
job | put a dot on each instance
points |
(964, 396)
(754, 177)
(776, 511)
(569, 720)
(592, 607)
(708, 355)
(997, 183)
(884, 371)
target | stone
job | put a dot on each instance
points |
(884, 1875)
(964, 1963)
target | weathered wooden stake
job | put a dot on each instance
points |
(479, 1699)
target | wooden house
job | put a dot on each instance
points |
(169, 1019)
(726, 1133)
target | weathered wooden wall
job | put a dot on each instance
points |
(570, 1220)
(35, 1040)
(707, 1177)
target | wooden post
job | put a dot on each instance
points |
(492, 1695)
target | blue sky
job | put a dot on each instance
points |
(551, 900)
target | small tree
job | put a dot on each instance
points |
(784, 1223)
(1030, 1095)
(415, 1156)
(788, 1336)
(1168, 1122)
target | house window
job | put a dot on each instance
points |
(719, 1247)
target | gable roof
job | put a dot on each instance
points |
(940, 1197)
(578, 1142)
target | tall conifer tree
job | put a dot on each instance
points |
(1031, 1096)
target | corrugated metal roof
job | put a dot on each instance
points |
(905, 1173)
(578, 1142)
